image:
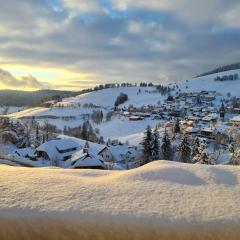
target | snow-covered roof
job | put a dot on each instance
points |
(210, 117)
(192, 130)
(53, 147)
(94, 147)
(83, 159)
(186, 122)
(119, 151)
(208, 129)
(23, 152)
(193, 118)
(236, 119)
(78, 155)
(221, 128)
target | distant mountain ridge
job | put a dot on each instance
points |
(30, 98)
(233, 66)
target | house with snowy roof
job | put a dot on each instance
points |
(59, 149)
(191, 130)
(236, 110)
(235, 120)
(210, 117)
(25, 152)
(120, 153)
(86, 159)
(208, 132)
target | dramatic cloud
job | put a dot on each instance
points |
(119, 40)
(7, 80)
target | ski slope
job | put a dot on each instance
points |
(208, 83)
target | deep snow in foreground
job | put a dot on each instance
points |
(159, 190)
(161, 200)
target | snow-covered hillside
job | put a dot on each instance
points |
(72, 112)
(119, 127)
(208, 83)
(163, 193)
(107, 97)
(104, 98)
(54, 112)
(9, 110)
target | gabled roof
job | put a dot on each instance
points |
(208, 129)
(119, 151)
(81, 159)
(192, 130)
(236, 119)
(77, 155)
(95, 147)
(53, 147)
(25, 151)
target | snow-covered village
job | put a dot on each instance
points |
(126, 126)
(119, 119)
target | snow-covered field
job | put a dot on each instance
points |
(165, 195)
(104, 98)
(9, 110)
(72, 114)
(119, 127)
(107, 97)
(208, 83)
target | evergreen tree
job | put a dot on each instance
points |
(101, 140)
(199, 101)
(176, 128)
(166, 147)
(222, 111)
(155, 145)
(196, 147)
(101, 116)
(184, 150)
(147, 144)
(84, 133)
(86, 146)
(203, 156)
(37, 137)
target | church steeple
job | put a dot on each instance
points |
(222, 111)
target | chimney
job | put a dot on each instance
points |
(85, 150)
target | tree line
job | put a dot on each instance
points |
(233, 66)
(85, 132)
(227, 77)
(187, 151)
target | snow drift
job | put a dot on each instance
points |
(166, 200)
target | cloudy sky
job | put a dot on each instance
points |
(73, 44)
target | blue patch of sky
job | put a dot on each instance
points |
(56, 5)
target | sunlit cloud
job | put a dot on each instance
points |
(74, 44)
(29, 82)
(53, 78)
